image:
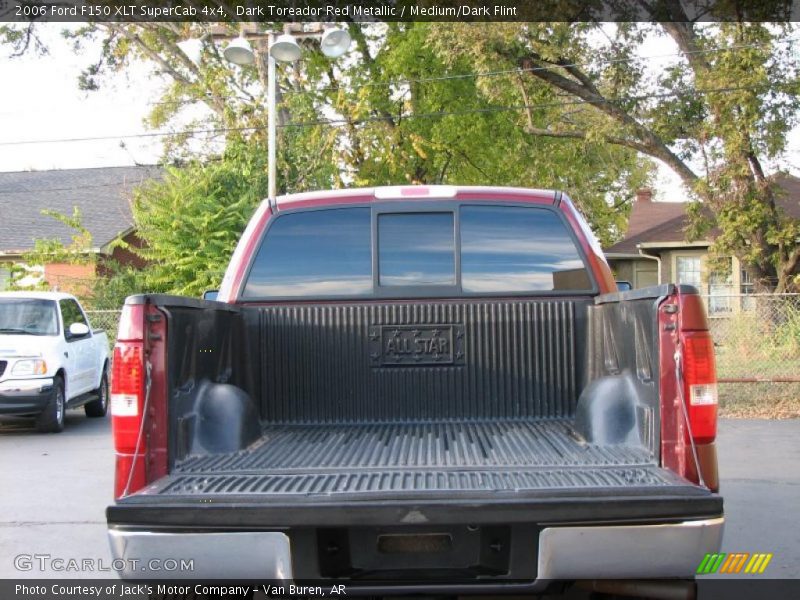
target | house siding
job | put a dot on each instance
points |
(123, 256)
(623, 271)
(644, 272)
(74, 279)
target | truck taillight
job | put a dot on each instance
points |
(700, 384)
(127, 402)
(127, 390)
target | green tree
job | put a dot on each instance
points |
(716, 116)
(395, 111)
(190, 222)
(53, 250)
(414, 115)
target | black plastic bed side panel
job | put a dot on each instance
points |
(480, 360)
(620, 400)
(210, 406)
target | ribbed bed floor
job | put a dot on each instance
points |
(410, 458)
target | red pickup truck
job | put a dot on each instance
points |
(418, 388)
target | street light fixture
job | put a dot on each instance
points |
(239, 52)
(285, 48)
(334, 42)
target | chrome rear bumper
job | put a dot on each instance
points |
(565, 553)
(231, 555)
(627, 551)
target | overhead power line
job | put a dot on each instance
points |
(409, 116)
(520, 70)
(475, 74)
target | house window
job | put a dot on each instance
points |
(720, 288)
(689, 271)
(5, 278)
(747, 286)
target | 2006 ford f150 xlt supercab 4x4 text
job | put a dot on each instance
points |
(418, 387)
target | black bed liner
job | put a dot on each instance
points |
(350, 438)
(393, 474)
(409, 459)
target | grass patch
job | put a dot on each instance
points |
(759, 400)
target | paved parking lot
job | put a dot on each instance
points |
(54, 489)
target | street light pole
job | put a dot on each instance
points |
(272, 156)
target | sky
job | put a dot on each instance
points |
(40, 100)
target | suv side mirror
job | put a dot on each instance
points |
(78, 330)
(624, 286)
(210, 294)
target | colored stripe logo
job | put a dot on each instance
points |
(734, 563)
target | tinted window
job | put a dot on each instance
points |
(71, 313)
(319, 253)
(416, 249)
(511, 249)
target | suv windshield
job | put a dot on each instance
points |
(28, 317)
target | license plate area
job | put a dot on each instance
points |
(418, 553)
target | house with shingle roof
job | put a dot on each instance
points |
(103, 197)
(655, 249)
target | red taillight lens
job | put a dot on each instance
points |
(700, 384)
(127, 408)
(127, 394)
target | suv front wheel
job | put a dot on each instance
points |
(52, 418)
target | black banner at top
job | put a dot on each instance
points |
(299, 11)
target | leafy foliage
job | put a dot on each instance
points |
(77, 252)
(113, 284)
(716, 115)
(416, 118)
(192, 220)
(564, 105)
(394, 111)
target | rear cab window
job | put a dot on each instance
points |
(314, 254)
(383, 251)
(416, 249)
(518, 249)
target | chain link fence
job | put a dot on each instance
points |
(757, 342)
(107, 320)
(757, 337)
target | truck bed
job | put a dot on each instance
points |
(543, 402)
(415, 458)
